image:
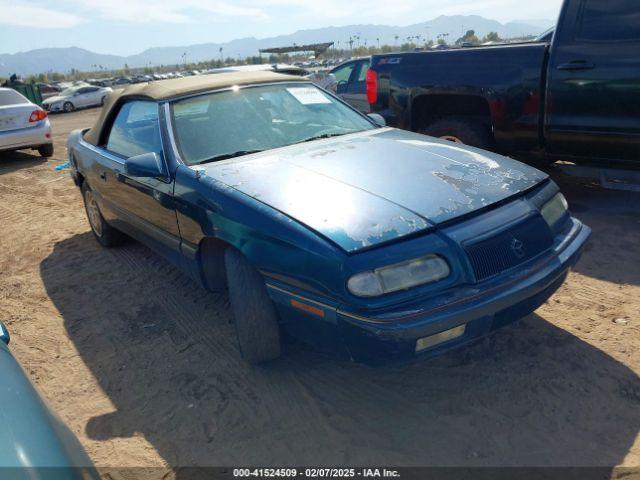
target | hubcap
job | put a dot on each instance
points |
(95, 218)
(67, 107)
(452, 138)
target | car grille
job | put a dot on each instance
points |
(509, 248)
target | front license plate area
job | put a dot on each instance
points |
(441, 337)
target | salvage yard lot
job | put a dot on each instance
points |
(142, 364)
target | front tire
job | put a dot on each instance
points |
(458, 130)
(68, 107)
(105, 234)
(255, 316)
(46, 150)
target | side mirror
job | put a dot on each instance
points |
(378, 119)
(4, 334)
(145, 165)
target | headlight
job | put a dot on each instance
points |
(554, 209)
(400, 276)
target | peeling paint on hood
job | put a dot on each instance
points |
(364, 189)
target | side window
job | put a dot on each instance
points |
(609, 21)
(135, 130)
(362, 74)
(359, 83)
(343, 73)
(80, 91)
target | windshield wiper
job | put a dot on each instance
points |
(225, 156)
(320, 137)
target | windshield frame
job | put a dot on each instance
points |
(171, 128)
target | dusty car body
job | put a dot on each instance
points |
(34, 443)
(376, 243)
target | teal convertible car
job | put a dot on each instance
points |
(34, 443)
(320, 221)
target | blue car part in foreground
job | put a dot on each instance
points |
(34, 443)
(374, 242)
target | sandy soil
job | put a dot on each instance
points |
(141, 363)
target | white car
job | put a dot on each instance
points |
(77, 97)
(23, 124)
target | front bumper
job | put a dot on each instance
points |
(26, 137)
(392, 333)
(55, 107)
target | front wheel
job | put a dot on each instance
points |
(255, 316)
(463, 131)
(68, 107)
(106, 235)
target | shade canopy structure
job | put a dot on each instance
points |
(316, 48)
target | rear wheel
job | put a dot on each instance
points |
(106, 235)
(255, 316)
(68, 107)
(468, 132)
(46, 150)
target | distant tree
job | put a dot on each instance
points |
(469, 37)
(491, 37)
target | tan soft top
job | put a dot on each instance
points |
(168, 89)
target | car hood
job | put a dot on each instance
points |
(54, 99)
(372, 187)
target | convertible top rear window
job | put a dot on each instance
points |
(258, 118)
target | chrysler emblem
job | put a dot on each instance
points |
(517, 247)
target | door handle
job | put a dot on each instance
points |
(576, 65)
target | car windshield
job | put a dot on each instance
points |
(68, 92)
(236, 122)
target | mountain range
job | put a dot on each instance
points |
(64, 59)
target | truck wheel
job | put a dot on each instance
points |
(46, 150)
(255, 316)
(462, 131)
(106, 235)
(68, 107)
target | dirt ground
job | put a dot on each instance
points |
(141, 363)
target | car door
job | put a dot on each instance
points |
(143, 207)
(594, 71)
(80, 99)
(93, 96)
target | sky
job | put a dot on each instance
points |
(125, 27)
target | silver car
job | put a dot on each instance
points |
(77, 97)
(23, 124)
